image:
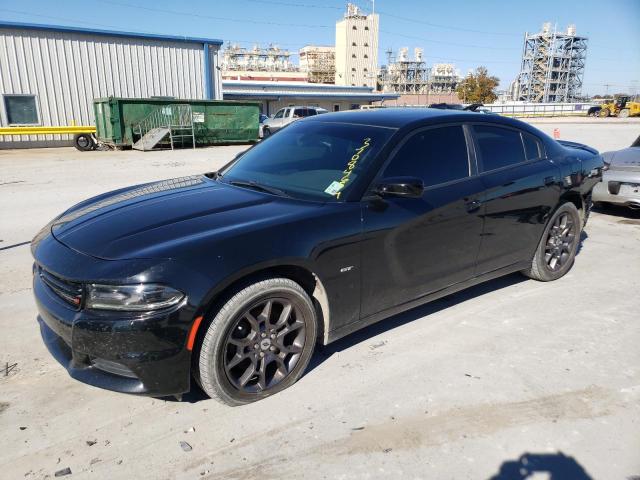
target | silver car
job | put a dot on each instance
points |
(621, 181)
(285, 116)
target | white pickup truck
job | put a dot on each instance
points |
(285, 116)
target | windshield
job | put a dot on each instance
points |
(310, 160)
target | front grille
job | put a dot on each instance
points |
(70, 292)
(114, 368)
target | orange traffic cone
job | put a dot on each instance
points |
(556, 133)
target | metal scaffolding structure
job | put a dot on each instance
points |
(443, 78)
(405, 75)
(257, 59)
(319, 63)
(552, 66)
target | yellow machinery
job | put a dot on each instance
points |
(621, 107)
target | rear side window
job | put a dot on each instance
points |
(302, 112)
(436, 155)
(498, 147)
(532, 146)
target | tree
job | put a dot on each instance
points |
(478, 87)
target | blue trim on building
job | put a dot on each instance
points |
(328, 95)
(109, 33)
(208, 84)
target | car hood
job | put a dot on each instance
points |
(156, 220)
(625, 159)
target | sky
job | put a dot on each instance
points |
(468, 33)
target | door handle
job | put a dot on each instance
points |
(549, 180)
(473, 205)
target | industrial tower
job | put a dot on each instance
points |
(552, 66)
(357, 48)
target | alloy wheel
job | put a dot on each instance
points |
(561, 241)
(264, 345)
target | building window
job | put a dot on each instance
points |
(336, 107)
(353, 44)
(365, 27)
(21, 109)
(353, 69)
(354, 27)
(353, 84)
(366, 44)
(366, 69)
(353, 55)
(366, 56)
(364, 84)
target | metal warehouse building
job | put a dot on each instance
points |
(50, 75)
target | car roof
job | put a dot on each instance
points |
(406, 117)
(302, 106)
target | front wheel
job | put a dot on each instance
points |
(259, 343)
(266, 132)
(557, 249)
(603, 113)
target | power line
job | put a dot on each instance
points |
(72, 20)
(212, 17)
(388, 14)
(265, 22)
(447, 27)
(484, 47)
(289, 4)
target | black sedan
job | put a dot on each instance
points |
(334, 223)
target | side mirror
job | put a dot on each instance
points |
(411, 187)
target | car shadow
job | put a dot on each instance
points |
(618, 211)
(557, 466)
(583, 236)
(323, 353)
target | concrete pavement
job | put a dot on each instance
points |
(455, 389)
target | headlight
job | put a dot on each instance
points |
(142, 297)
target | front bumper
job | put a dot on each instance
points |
(134, 354)
(143, 353)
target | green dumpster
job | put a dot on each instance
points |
(214, 121)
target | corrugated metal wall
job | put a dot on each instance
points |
(66, 71)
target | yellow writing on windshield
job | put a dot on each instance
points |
(353, 162)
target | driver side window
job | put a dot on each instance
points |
(436, 155)
(279, 114)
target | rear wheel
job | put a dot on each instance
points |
(556, 252)
(624, 113)
(259, 343)
(604, 112)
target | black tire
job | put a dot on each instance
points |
(266, 132)
(245, 355)
(84, 142)
(604, 112)
(558, 245)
